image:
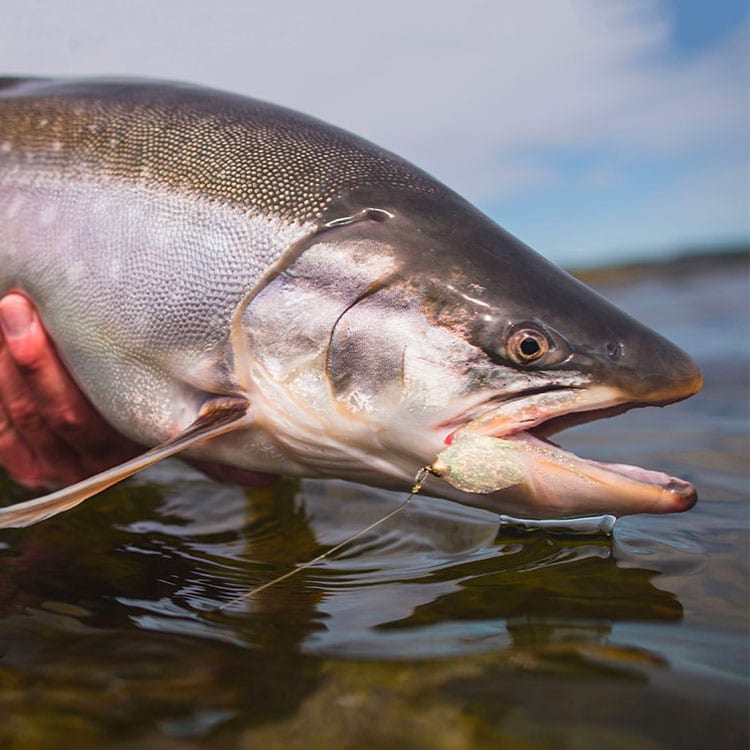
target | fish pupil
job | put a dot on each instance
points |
(530, 347)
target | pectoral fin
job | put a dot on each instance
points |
(217, 416)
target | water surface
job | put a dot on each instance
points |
(438, 629)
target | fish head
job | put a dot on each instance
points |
(419, 319)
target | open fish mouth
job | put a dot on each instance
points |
(507, 451)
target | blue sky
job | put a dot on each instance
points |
(649, 203)
(697, 24)
(596, 130)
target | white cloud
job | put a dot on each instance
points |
(475, 93)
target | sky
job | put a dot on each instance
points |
(597, 131)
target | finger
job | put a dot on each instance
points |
(15, 453)
(60, 402)
(33, 455)
(23, 465)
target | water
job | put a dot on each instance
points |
(435, 630)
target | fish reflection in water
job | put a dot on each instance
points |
(438, 568)
(437, 581)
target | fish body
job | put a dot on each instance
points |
(187, 247)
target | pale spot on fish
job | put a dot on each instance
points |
(114, 268)
(6, 147)
(75, 271)
(14, 207)
(47, 215)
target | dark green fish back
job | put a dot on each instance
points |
(235, 150)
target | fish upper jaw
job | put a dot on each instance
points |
(507, 414)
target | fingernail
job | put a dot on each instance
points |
(16, 319)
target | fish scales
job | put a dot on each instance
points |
(200, 192)
(241, 152)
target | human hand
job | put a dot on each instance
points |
(50, 434)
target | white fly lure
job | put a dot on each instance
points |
(479, 463)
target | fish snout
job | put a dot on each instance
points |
(678, 497)
(652, 370)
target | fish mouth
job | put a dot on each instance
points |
(558, 483)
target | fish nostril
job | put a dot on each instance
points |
(615, 350)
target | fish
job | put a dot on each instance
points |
(233, 281)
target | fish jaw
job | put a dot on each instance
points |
(561, 484)
(546, 481)
(541, 480)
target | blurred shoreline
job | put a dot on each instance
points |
(684, 264)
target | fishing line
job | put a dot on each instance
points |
(419, 480)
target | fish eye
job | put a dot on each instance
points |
(527, 345)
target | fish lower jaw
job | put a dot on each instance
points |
(568, 482)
